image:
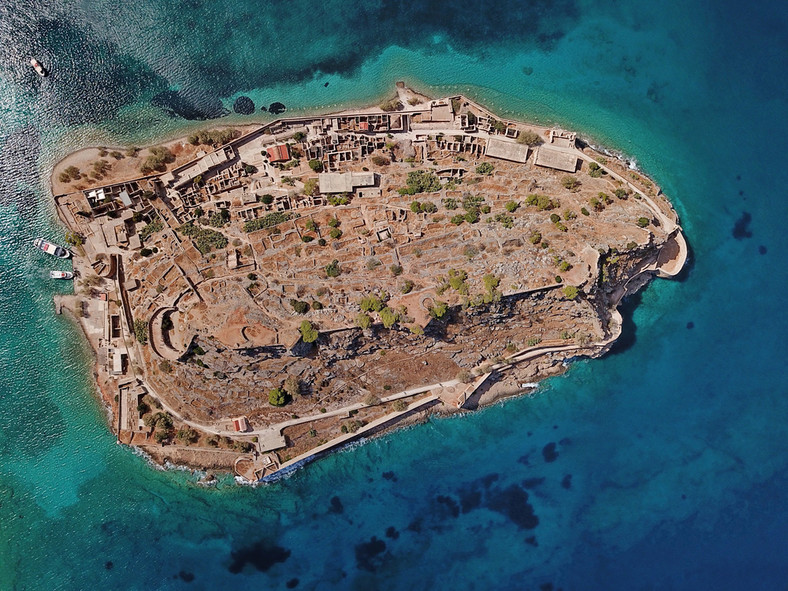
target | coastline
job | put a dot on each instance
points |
(594, 349)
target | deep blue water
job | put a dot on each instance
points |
(671, 465)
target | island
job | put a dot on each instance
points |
(261, 295)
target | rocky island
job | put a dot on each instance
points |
(258, 296)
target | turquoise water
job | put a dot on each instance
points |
(672, 466)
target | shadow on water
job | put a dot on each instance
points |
(628, 336)
(689, 266)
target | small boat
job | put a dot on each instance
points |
(53, 249)
(38, 67)
(61, 275)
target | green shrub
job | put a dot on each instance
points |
(337, 200)
(449, 203)
(311, 187)
(149, 229)
(485, 168)
(214, 136)
(333, 222)
(570, 292)
(267, 221)
(157, 160)
(389, 317)
(564, 266)
(570, 182)
(396, 270)
(300, 306)
(505, 220)
(363, 321)
(277, 397)
(584, 211)
(267, 199)
(569, 215)
(205, 239)
(439, 310)
(308, 333)
(372, 303)
(535, 238)
(472, 216)
(399, 405)
(555, 218)
(380, 161)
(594, 170)
(457, 219)
(332, 269)
(391, 105)
(621, 193)
(511, 206)
(643, 222)
(335, 233)
(407, 286)
(141, 330)
(529, 138)
(316, 165)
(219, 218)
(542, 202)
(420, 181)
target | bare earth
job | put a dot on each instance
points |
(290, 257)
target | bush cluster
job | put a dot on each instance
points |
(267, 221)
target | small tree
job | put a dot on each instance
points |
(529, 138)
(74, 239)
(292, 386)
(594, 170)
(439, 310)
(300, 306)
(277, 397)
(311, 187)
(389, 317)
(308, 333)
(332, 269)
(335, 233)
(570, 292)
(570, 182)
(316, 165)
(363, 321)
(141, 330)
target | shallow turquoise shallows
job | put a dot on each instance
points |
(672, 460)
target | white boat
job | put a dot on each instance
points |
(61, 275)
(38, 67)
(53, 249)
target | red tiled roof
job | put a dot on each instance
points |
(278, 153)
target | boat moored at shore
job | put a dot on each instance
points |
(53, 249)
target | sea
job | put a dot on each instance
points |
(663, 466)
